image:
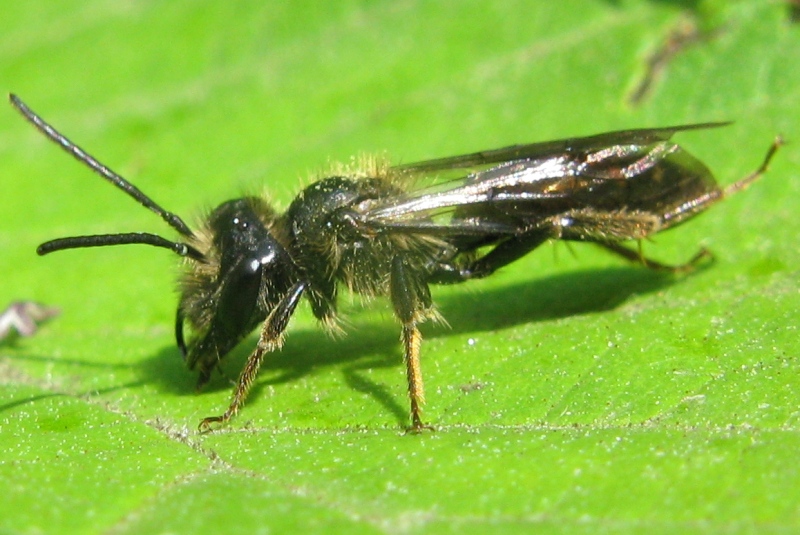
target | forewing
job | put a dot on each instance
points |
(629, 170)
(642, 136)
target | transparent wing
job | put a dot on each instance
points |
(629, 170)
(643, 136)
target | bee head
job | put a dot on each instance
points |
(236, 266)
(244, 272)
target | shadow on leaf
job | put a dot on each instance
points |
(376, 345)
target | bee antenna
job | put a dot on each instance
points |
(102, 240)
(82, 156)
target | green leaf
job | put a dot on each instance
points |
(572, 393)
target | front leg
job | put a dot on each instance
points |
(412, 305)
(270, 340)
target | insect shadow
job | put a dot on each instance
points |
(372, 345)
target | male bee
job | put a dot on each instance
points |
(395, 230)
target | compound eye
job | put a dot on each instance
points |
(268, 258)
(265, 260)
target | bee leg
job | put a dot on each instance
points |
(639, 258)
(703, 202)
(270, 340)
(411, 298)
(179, 339)
(322, 297)
(503, 254)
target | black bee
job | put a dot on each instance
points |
(388, 230)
